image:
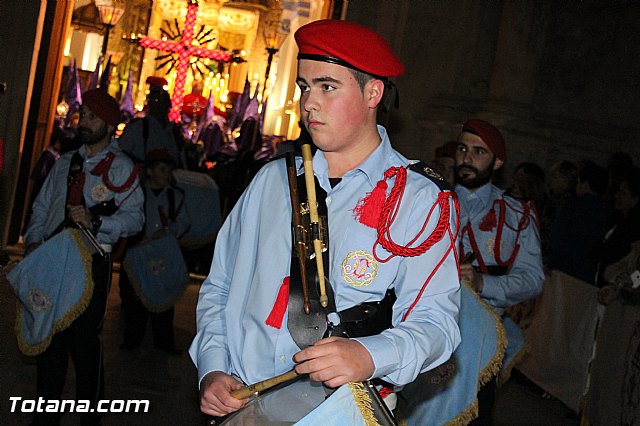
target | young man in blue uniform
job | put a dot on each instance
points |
(501, 231)
(343, 72)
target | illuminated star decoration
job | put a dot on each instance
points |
(185, 50)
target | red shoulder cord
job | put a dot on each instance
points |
(102, 169)
(389, 213)
(522, 223)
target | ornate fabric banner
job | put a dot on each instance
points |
(448, 394)
(53, 291)
(157, 272)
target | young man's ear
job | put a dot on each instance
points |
(374, 91)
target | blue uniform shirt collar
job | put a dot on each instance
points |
(483, 194)
(373, 167)
(101, 154)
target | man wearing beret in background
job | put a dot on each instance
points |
(501, 231)
(96, 187)
(343, 74)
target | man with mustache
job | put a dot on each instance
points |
(243, 333)
(96, 187)
(501, 231)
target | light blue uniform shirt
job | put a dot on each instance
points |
(525, 276)
(49, 205)
(253, 256)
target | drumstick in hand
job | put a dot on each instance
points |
(247, 391)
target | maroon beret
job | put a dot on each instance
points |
(348, 44)
(156, 81)
(103, 105)
(489, 135)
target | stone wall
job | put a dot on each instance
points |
(558, 78)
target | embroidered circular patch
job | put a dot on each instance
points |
(359, 268)
(491, 242)
(38, 301)
(100, 192)
(157, 266)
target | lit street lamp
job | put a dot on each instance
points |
(110, 13)
(274, 34)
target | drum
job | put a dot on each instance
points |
(202, 201)
(307, 403)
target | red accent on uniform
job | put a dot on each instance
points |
(369, 208)
(390, 208)
(280, 306)
(76, 191)
(102, 169)
(489, 221)
(385, 391)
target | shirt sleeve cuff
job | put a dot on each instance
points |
(383, 353)
(489, 287)
(206, 362)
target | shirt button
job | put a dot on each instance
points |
(328, 200)
(282, 357)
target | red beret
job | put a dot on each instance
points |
(348, 44)
(489, 135)
(157, 81)
(103, 105)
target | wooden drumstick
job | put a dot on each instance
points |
(247, 391)
(307, 158)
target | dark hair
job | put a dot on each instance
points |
(596, 176)
(361, 77)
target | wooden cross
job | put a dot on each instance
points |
(186, 50)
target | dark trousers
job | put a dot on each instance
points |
(486, 400)
(82, 341)
(136, 316)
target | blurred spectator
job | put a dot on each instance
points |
(617, 243)
(581, 222)
(528, 184)
(619, 164)
(561, 184)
